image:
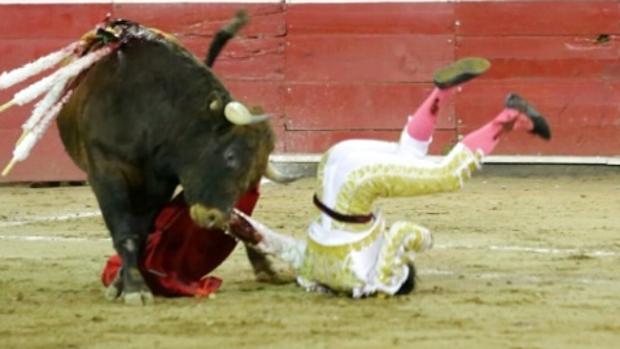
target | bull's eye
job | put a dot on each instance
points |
(231, 159)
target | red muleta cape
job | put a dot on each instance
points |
(179, 255)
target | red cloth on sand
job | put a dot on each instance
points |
(179, 255)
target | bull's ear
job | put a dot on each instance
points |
(215, 102)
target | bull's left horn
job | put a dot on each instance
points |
(238, 114)
(272, 173)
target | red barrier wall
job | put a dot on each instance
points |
(334, 71)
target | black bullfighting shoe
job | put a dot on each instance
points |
(541, 127)
(460, 71)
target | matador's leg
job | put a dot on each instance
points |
(517, 114)
(266, 241)
(395, 271)
(371, 175)
(421, 124)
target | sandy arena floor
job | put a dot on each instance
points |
(518, 263)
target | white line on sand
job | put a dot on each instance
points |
(511, 276)
(56, 218)
(530, 249)
(456, 246)
(43, 238)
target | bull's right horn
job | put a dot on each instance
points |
(238, 114)
(273, 174)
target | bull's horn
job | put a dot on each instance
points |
(272, 173)
(238, 114)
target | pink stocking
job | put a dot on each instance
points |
(487, 137)
(421, 125)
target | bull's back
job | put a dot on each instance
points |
(129, 96)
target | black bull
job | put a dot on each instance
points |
(146, 118)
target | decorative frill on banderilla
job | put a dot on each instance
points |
(54, 90)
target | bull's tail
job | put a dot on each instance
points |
(224, 34)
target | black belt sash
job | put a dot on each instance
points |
(339, 216)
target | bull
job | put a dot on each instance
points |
(152, 116)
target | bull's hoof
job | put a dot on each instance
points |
(112, 292)
(138, 298)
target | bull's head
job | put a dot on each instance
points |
(229, 153)
(234, 156)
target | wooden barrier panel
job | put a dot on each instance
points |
(364, 58)
(26, 33)
(48, 161)
(370, 18)
(584, 114)
(355, 106)
(567, 64)
(546, 17)
(545, 57)
(50, 21)
(308, 141)
(204, 19)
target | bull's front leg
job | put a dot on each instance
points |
(129, 221)
(129, 242)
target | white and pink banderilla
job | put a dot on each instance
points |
(54, 88)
